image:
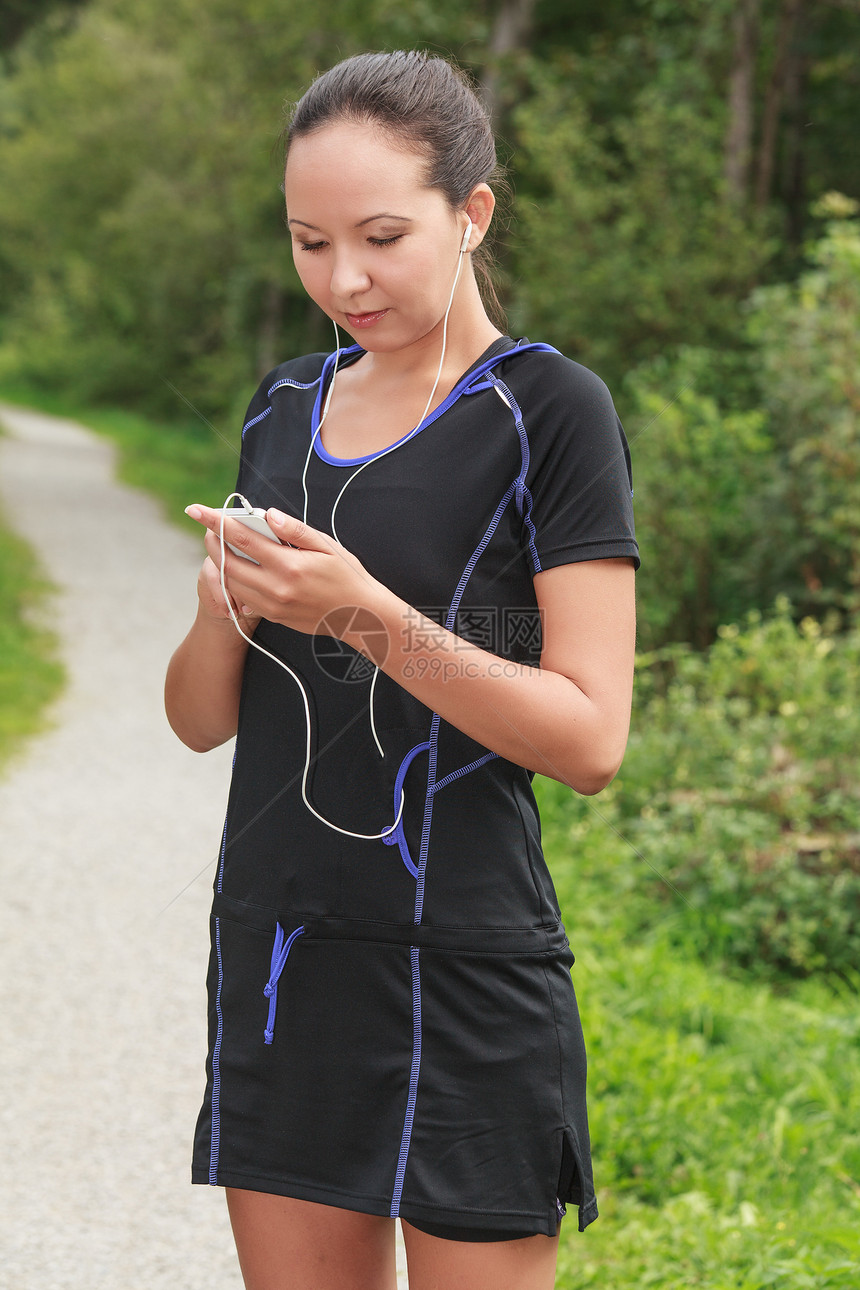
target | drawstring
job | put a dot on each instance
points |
(280, 954)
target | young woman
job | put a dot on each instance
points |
(449, 609)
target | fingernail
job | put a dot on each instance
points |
(277, 517)
(194, 512)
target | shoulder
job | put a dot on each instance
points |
(564, 406)
(568, 416)
(552, 377)
(301, 372)
(296, 374)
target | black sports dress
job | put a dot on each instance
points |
(393, 1027)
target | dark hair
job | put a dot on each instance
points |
(425, 101)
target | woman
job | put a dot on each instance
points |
(449, 608)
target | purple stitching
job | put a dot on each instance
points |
(399, 834)
(297, 385)
(518, 487)
(221, 856)
(409, 1119)
(524, 497)
(254, 420)
(464, 770)
(215, 1137)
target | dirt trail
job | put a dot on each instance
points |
(107, 843)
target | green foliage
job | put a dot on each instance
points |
(697, 468)
(807, 335)
(30, 673)
(724, 1116)
(144, 277)
(624, 245)
(140, 212)
(747, 463)
(740, 788)
(143, 241)
(17, 16)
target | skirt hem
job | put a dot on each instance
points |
(380, 1206)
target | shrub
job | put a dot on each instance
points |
(740, 788)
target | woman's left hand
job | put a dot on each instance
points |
(311, 583)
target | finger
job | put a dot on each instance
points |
(211, 518)
(238, 538)
(296, 533)
(212, 543)
(222, 596)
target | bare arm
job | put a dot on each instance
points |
(568, 719)
(204, 676)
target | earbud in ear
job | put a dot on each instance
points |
(464, 245)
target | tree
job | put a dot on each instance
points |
(806, 335)
(739, 133)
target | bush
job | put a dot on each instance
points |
(740, 789)
(747, 461)
(698, 466)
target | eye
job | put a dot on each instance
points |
(312, 246)
(385, 241)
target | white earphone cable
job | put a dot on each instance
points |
(368, 837)
(347, 832)
(394, 446)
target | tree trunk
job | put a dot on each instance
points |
(794, 161)
(790, 12)
(511, 30)
(739, 133)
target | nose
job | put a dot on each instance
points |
(349, 276)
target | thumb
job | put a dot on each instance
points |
(296, 533)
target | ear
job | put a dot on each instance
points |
(479, 207)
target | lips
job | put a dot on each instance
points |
(366, 320)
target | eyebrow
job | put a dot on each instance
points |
(384, 215)
(361, 223)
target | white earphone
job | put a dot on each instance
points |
(464, 245)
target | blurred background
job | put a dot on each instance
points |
(683, 218)
(685, 177)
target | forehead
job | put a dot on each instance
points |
(352, 164)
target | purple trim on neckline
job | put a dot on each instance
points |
(462, 385)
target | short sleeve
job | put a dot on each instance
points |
(297, 374)
(259, 409)
(579, 476)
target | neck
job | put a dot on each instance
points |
(469, 332)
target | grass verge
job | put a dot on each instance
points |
(31, 675)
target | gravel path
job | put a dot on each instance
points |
(109, 830)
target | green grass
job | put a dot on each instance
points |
(30, 673)
(725, 1116)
